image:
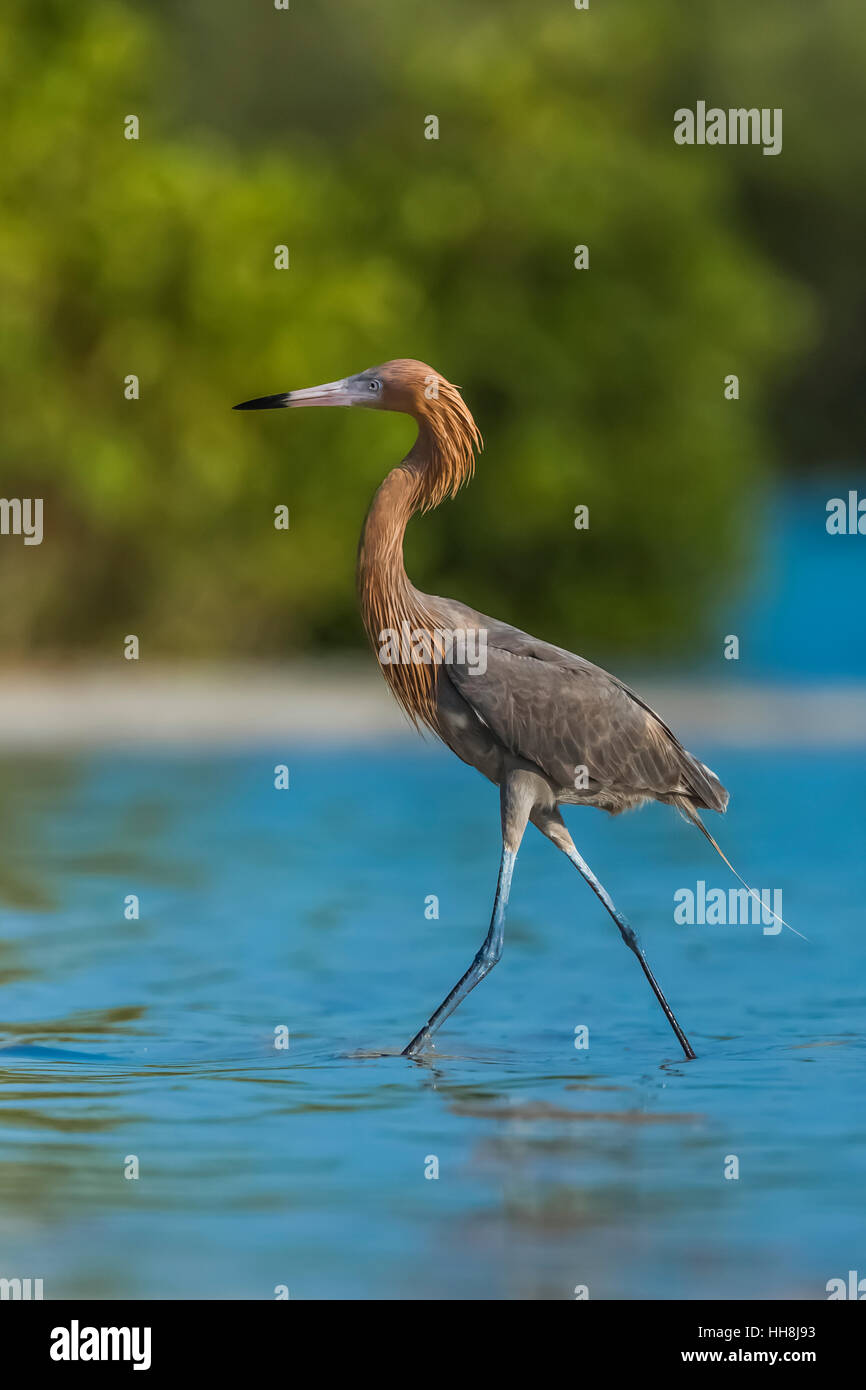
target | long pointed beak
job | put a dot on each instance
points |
(332, 393)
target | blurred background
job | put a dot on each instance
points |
(601, 387)
(150, 1032)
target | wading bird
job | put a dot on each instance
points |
(547, 727)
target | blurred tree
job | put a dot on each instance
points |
(807, 208)
(155, 257)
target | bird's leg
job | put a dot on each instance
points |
(516, 799)
(482, 964)
(551, 824)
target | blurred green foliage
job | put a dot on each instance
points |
(306, 127)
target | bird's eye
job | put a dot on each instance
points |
(375, 385)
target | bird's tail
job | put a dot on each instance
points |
(689, 811)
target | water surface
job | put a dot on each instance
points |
(305, 909)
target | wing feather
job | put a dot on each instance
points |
(562, 713)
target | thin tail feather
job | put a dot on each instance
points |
(691, 814)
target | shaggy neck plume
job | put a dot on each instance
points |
(441, 460)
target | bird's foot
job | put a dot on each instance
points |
(422, 1042)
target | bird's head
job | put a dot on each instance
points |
(448, 436)
(404, 385)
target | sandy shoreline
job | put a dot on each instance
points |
(168, 706)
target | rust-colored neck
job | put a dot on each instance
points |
(440, 461)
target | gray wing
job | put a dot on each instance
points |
(561, 712)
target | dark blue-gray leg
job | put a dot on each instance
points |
(482, 964)
(630, 937)
(553, 826)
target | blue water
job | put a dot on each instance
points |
(306, 1167)
(799, 616)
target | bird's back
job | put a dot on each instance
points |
(595, 740)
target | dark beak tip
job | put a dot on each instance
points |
(264, 403)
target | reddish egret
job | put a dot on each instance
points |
(547, 727)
